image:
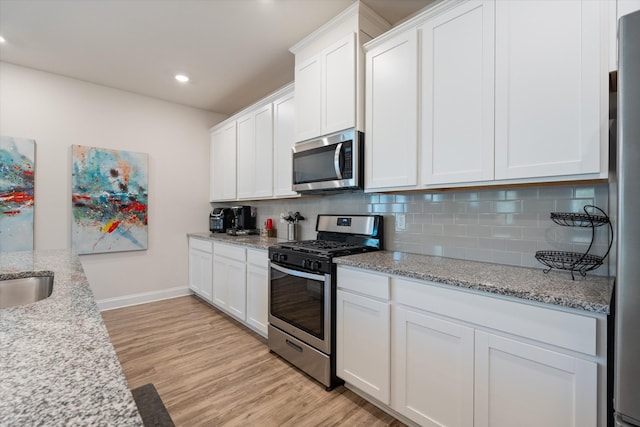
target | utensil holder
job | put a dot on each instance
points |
(292, 232)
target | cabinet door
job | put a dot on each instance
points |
(339, 85)
(308, 98)
(548, 88)
(257, 297)
(432, 369)
(229, 285)
(237, 288)
(263, 152)
(283, 125)
(618, 9)
(523, 385)
(255, 154)
(362, 344)
(200, 273)
(457, 55)
(223, 163)
(391, 113)
(246, 174)
(220, 283)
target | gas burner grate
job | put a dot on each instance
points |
(328, 247)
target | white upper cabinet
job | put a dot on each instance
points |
(223, 162)
(325, 91)
(308, 98)
(251, 151)
(328, 73)
(391, 140)
(339, 86)
(457, 52)
(283, 123)
(550, 77)
(255, 154)
(508, 91)
(618, 9)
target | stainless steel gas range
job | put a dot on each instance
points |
(302, 291)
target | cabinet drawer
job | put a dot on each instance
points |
(371, 284)
(555, 327)
(258, 258)
(230, 251)
(201, 245)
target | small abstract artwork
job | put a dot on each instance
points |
(17, 169)
(109, 200)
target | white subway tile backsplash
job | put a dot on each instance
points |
(521, 194)
(452, 229)
(496, 244)
(495, 225)
(463, 218)
(513, 206)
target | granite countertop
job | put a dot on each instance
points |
(252, 241)
(590, 293)
(57, 364)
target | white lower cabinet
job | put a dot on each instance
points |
(449, 357)
(363, 337)
(233, 278)
(363, 325)
(229, 279)
(257, 290)
(432, 369)
(524, 385)
(200, 267)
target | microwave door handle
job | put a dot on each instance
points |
(336, 160)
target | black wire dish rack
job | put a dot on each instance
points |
(575, 261)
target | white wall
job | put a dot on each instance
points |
(59, 112)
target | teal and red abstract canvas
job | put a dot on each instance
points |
(109, 200)
(17, 169)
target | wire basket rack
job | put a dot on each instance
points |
(574, 261)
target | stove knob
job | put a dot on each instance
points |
(317, 265)
(306, 263)
(282, 257)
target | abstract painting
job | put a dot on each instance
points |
(109, 200)
(17, 168)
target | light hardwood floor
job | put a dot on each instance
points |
(210, 370)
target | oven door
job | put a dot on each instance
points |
(300, 305)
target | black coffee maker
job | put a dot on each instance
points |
(244, 219)
(221, 220)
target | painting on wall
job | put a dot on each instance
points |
(17, 170)
(109, 200)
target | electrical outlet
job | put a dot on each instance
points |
(400, 222)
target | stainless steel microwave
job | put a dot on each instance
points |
(331, 163)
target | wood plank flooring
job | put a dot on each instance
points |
(210, 370)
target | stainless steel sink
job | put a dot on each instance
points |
(25, 290)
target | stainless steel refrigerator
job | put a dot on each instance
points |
(626, 379)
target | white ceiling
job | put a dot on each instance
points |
(235, 51)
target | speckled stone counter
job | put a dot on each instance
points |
(590, 293)
(253, 241)
(57, 364)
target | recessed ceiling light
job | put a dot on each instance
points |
(2, 40)
(182, 78)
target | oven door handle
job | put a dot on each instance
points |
(297, 273)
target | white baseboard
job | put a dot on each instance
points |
(142, 298)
